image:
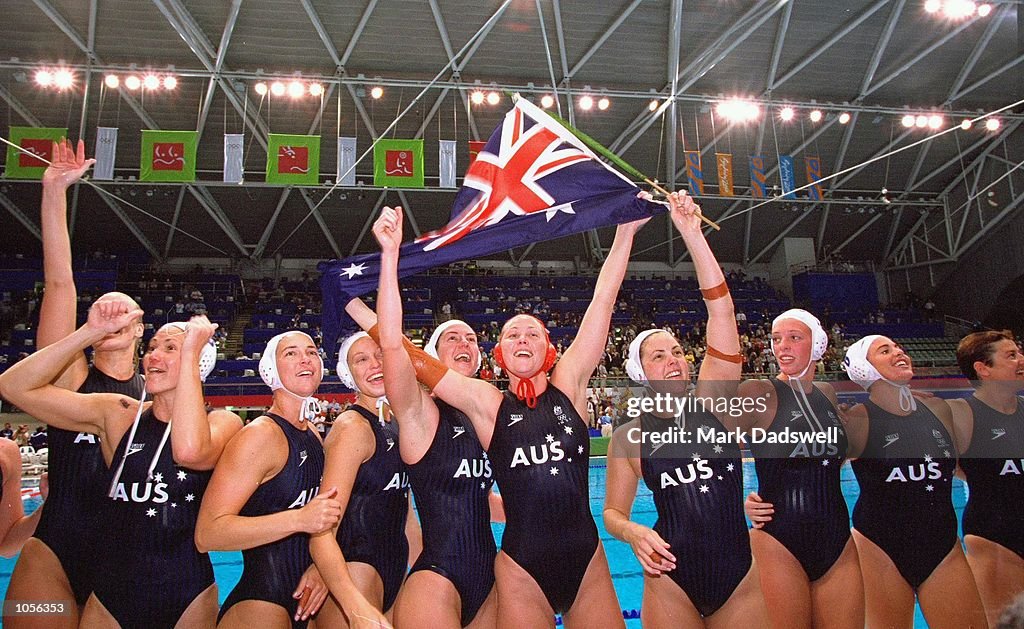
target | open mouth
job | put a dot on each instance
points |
(377, 377)
(673, 374)
(523, 353)
(305, 372)
(155, 370)
(462, 358)
(903, 362)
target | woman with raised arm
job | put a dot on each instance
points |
(990, 431)
(551, 560)
(152, 573)
(700, 540)
(903, 523)
(264, 496)
(810, 573)
(56, 564)
(452, 583)
(364, 558)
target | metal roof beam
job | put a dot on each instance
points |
(315, 211)
(883, 43)
(18, 108)
(22, 218)
(174, 222)
(66, 27)
(979, 48)
(988, 77)
(261, 246)
(360, 27)
(604, 37)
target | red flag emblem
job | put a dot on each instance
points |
(169, 156)
(293, 160)
(398, 164)
(36, 147)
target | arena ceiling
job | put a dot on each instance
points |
(874, 59)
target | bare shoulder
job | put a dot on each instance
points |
(754, 388)
(349, 425)
(940, 407)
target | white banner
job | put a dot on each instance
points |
(346, 161)
(446, 159)
(106, 151)
(234, 148)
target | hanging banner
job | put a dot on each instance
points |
(106, 152)
(293, 159)
(813, 177)
(446, 161)
(694, 173)
(36, 142)
(398, 163)
(234, 148)
(724, 161)
(346, 161)
(787, 173)
(758, 177)
(168, 155)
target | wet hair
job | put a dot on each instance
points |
(979, 347)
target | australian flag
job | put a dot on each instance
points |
(533, 181)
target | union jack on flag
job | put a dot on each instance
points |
(533, 181)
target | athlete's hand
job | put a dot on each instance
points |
(758, 511)
(387, 229)
(630, 229)
(66, 165)
(685, 213)
(650, 550)
(321, 514)
(311, 592)
(112, 313)
(198, 333)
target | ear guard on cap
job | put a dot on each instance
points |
(207, 357)
(819, 338)
(268, 361)
(549, 358)
(435, 338)
(344, 373)
(634, 369)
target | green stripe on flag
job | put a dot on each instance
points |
(398, 163)
(37, 141)
(293, 159)
(168, 155)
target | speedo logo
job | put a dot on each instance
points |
(891, 439)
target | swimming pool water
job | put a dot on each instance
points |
(626, 572)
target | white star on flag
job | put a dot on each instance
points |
(151, 513)
(551, 212)
(190, 498)
(554, 471)
(158, 477)
(182, 475)
(354, 269)
(550, 438)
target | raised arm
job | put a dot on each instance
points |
(60, 299)
(416, 413)
(197, 437)
(722, 360)
(249, 461)
(27, 384)
(573, 371)
(363, 315)
(15, 526)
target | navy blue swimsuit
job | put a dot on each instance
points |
(698, 491)
(906, 488)
(541, 460)
(452, 483)
(373, 528)
(272, 571)
(151, 570)
(802, 481)
(994, 467)
(78, 483)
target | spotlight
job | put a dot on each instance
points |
(151, 82)
(738, 110)
(921, 121)
(816, 115)
(992, 124)
(261, 88)
(984, 9)
(493, 98)
(934, 121)
(787, 114)
(546, 101)
(316, 89)
(653, 105)
(112, 81)
(932, 6)
(908, 120)
(376, 92)
(296, 89)
(959, 8)
(603, 103)
(965, 124)
(63, 79)
(586, 103)
(844, 118)
(132, 82)
(277, 88)
(170, 82)
(44, 78)
(477, 98)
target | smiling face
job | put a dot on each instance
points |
(298, 364)
(664, 363)
(524, 345)
(1005, 364)
(890, 360)
(457, 348)
(792, 343)
(365, 363)
(162, 361)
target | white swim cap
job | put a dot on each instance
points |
(207, 357)
(861, 371)
(435, 337)
(268, 361)
(344, 373)
(634, 369)
(819, 339)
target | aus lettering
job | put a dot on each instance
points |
(921, 471)
(398, 481)
(84, 437)
(142, 492)
(1012, 466)
(304, 497)
(543, 453)
(701, 469)
(473, 468)
(815, 450)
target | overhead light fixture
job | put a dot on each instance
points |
(815, 115)
(844, 118)
(261, 88)
(376, 92)
(984, 10)
(277, 88)
(170, 82)
(112, 81)
(653, 105)
(296, 89)
(921, 121)
(151, 82)
(603, 103)
(965, 124)
(316, 89)
(44, 78)
(132, 82)
(493, 98)
(992, 124)
(787, 114)
(932, 6)
(546, 101)
(908, 120)
(586, 103)
(63, 79)
(738, 110)
(934, 121)
(477, 97)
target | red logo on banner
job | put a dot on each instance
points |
(293, 160)
(37, 147)
(398, 163)
(169, 156)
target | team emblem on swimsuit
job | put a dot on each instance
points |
(997, 433)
